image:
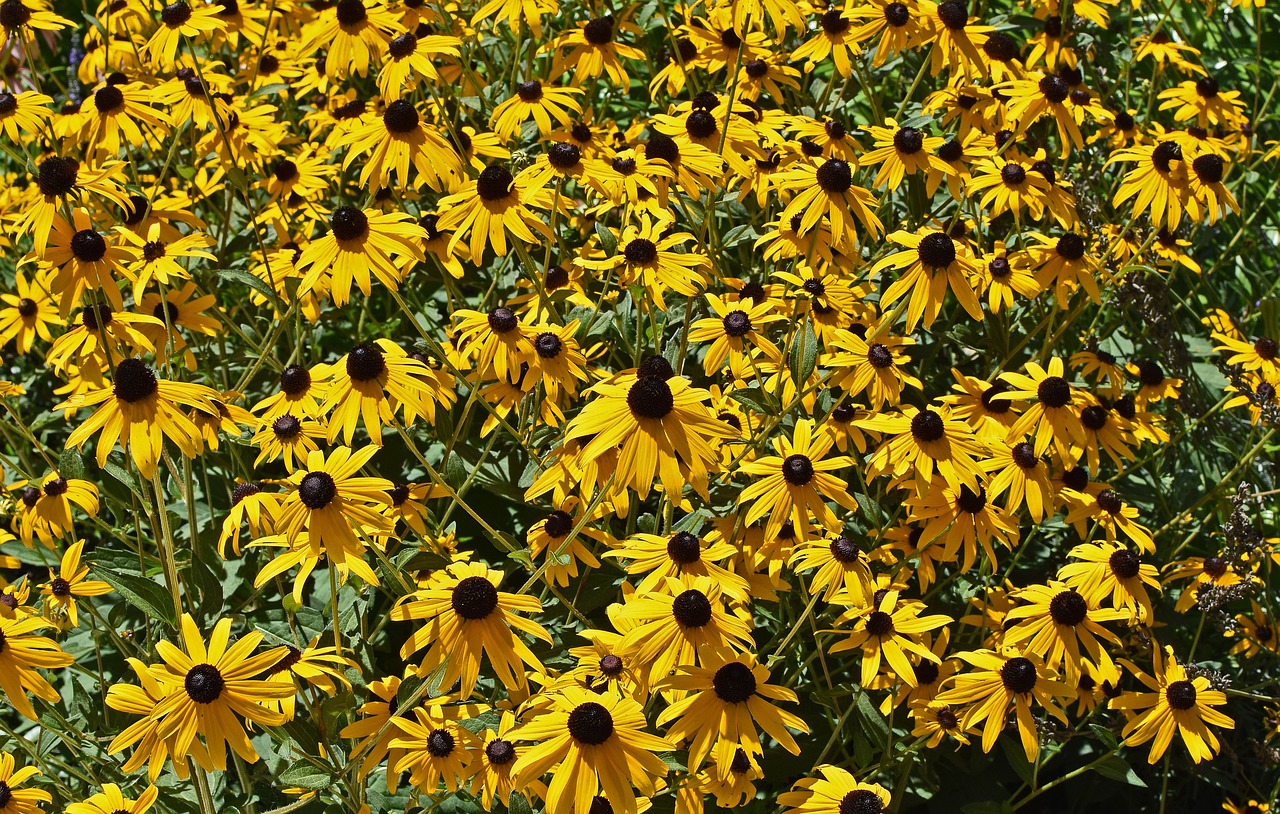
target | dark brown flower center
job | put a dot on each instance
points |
(650, 397)
(590, 723)
(1068, 608)
(927, 426)
(134, 381)
(1054, 392)
(495, 183)
(835, 176)
(1124, 564)
(1181, 695)
(797, 470)
(1019, 675)
(317, 490)
(474, 598)
(734, 683)
(684, 548)
(691, 608)
(936, 250)
(204, 683)
(365, 363)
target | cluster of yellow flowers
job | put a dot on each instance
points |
(731, 370)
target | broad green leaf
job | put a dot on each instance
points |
(149, 597)
(305, 776)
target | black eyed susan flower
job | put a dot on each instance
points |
(834, 39)
(1063, 626)
(1176, 704)
(679, 624)
(1157, 185)
(834, 791)
(85, 260)
(662, 425)
(327, 513)
(468, 617)
(887, 631)
(600, 668)
(1064, 264)
(1022, 477)
(28, 312)
(360, 242)
(23, 114)
(536, 101)
(396, 140)
(921, 440)
(299, 394)
(958, 40)
(354, 35)
(372, 383)
(46, 511)
(289, 437)
(496, 203)
(873, 365)
(17, 799)
(934, 721)
(1204, 100)
(70, 581)
(934, 262)
(1052, 419)
(22, 652)
(1112, 570)
(139, 410)
(592, 744)
(550, 538)
(646, 256)
(157, 259)
(734, 332)
(111, 800)
(209, 688)
(593, 49)
(16, 17)
(842, 567)
(435, 750)
(658, 557)
(962, 520)
(827, 188)
(180, 19)
(498, 751)
(796, 483)
(410, 61)
(249, 503)
(901, 151)
(728, 698)
(997, 682)
(1255, 632)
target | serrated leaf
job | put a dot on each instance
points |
(149, 597)
(259, 285)
(305, 776)
(1115, 768)
(608, 241)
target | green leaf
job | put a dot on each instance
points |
(1115, 768)
(149, 597)
(305, 776)
(241, 276)
(518, 804)
(1105, 735)
(673, 762)
(753, 398)
(804, 354)
(608, 241)
(71, 463)
(873, 722)
(123, 475)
